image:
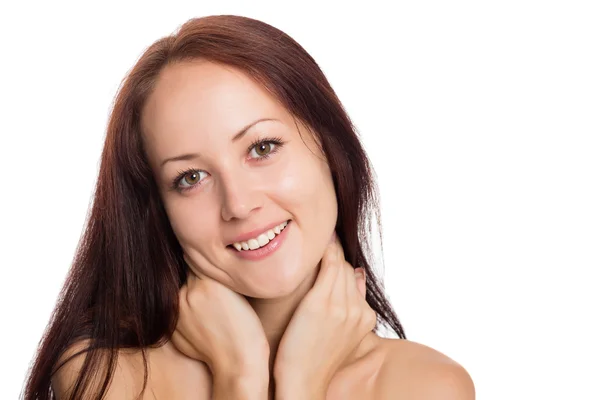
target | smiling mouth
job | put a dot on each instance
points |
(261, 240)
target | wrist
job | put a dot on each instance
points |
(296, 387)
(247, 365)
(240, 385)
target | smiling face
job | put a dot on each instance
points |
(234, 185)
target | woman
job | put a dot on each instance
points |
(210, 266)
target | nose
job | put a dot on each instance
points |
(240, 197)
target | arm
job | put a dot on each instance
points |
(229, 385)
(297, 390)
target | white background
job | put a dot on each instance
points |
(482, 120)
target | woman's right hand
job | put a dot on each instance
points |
(217, 326)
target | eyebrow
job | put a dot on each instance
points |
(238, 136)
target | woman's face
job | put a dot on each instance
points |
(226, 186)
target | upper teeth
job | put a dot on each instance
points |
(261, 240)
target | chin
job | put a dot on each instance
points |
(280, 282)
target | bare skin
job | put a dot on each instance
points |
(198, 107)
(381, 369)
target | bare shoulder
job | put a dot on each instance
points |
(170, 374)
(416, 371)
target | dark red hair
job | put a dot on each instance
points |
(122, 288)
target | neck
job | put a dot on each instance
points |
(275, 314)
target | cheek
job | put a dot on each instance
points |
(304, 183)
(190, 220)
(305, 190)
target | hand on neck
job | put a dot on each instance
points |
(275, 314)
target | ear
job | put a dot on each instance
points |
(361, 282)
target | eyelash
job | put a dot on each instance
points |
(277, 141)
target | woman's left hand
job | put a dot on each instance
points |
(328, 325)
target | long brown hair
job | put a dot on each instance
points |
(122, 288)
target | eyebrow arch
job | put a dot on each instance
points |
(237, 137)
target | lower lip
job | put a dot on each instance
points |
(263, 252)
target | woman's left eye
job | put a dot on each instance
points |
(263, 149)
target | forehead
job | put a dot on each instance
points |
(203, 99)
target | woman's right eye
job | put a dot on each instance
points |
(188, 179)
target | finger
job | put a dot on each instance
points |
(327, 272)
(351, 287)
(183, 345)
(361, 283)
(340, 247)
(339, 287)
(368, 320)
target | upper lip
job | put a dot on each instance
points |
(254, 233)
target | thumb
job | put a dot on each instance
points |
(361, 281)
